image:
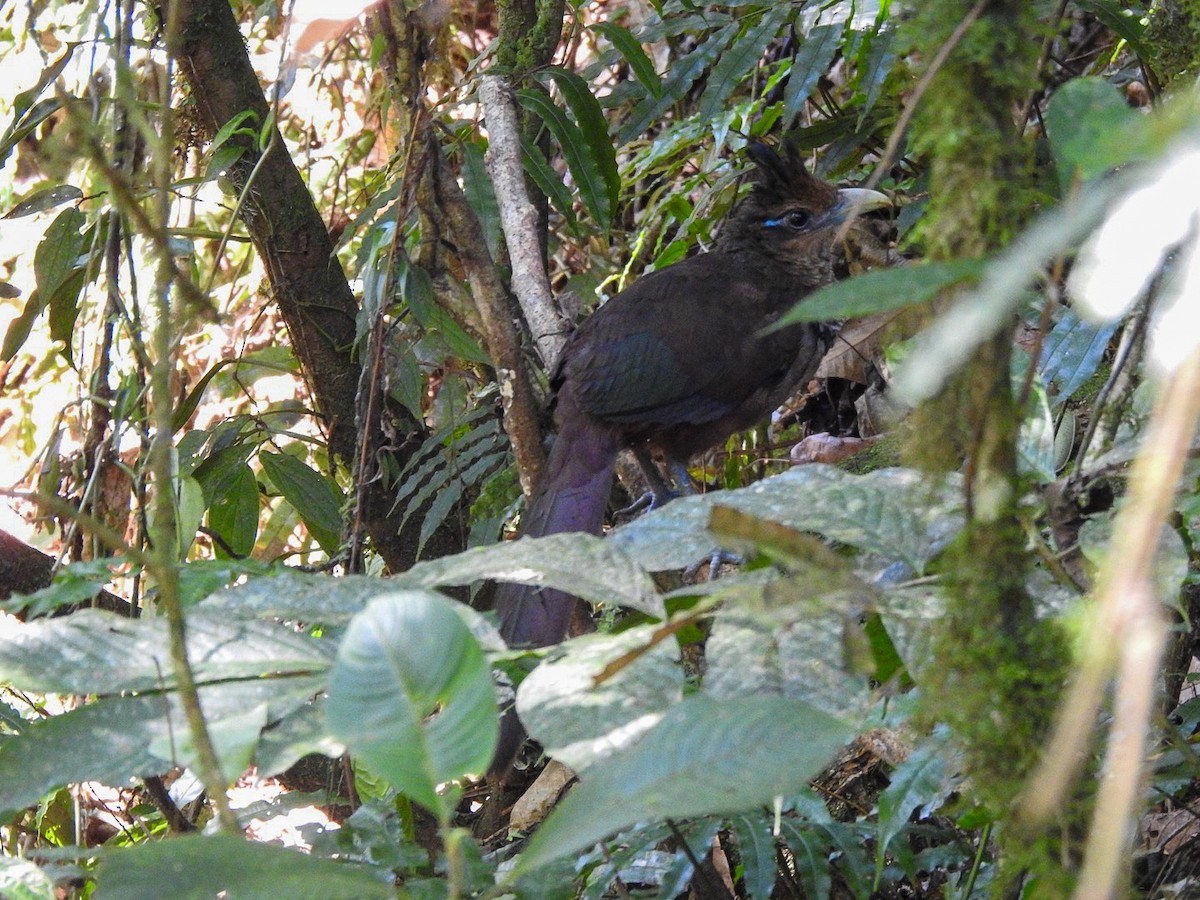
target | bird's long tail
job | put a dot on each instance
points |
(572, 496)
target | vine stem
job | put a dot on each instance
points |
(910, 108)
(1126, 637)
(163, 553)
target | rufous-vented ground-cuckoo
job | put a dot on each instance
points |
(678, 362)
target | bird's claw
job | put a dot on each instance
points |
(715, 560)
(648, 500)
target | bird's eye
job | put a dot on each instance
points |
(796, 219)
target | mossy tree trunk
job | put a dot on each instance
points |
(998, 669)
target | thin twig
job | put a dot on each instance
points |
(910, 108)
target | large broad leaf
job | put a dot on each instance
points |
(92, 652)
(412, 695)
(589, 567)
(59, 266)
(786, 639)
(233, 514)
(1091, 129)
(895, 513)
(705, 757)
(579, 720)
(199, 868)
(115, 739)
(21, 879)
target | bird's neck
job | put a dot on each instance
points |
(801, 271)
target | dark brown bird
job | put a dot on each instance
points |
(679, 362)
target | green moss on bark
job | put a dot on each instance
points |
(998, 669)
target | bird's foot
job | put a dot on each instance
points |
(648, 500)
(714, 561)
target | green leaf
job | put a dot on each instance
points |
(26, 114)
(756, 846)
(103, 741)
(92, 650)
(577, 718)
(1091, 130)
(183, 412)
(594, 188)
(548, 181)
(412, 695)
(919, 781)
(631, 49)
(232, 127)
(1072, 353)
(895, 513)
(741, 60)
(234, 515)
(589, 567)
(57, 256)
(313, 496)
(114, 739)
(593, 127)
(480, 194)
(811, 858)
(20, 328)
(680, 79)
(199, 868)
(44, 199)
(809, 64)
(881, 290)
(21, 879)
(880, 58)
(976, 315)
(705, 757)
(1124, 22)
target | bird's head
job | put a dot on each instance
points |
(793, 217)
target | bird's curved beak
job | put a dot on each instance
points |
(856, 201)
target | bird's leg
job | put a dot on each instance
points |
(660, 492)
(683, 478)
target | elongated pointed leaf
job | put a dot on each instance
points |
(678, 82)
(592, 125)
(811, 62)
(548, 181)
(881, 290)
(631, 49)
(734, 66)
(1072, 352)
(313, 496)
(93, 650)
(587, 172)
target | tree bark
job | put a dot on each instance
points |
(307, 280)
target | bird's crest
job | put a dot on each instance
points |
(785, 178)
